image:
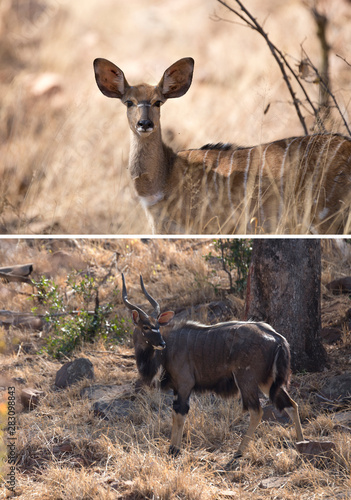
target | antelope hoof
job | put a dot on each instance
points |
(233, 464)
(173, 451)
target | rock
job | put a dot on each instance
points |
(72, 372)
(343, 418)
(346, 495)
(118, 401)
(96, 392)
(271, 414)
(331, 335)
(227, 493)
(340, 285)
(30, 397)
(113, 409)
(342, 428)
(111, 401)
(67, 260)
(337, 313)
(273, 482)
(315, 449)
(338, 387)
(65, 447)
(342, 421)
(19, 380)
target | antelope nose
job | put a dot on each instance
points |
(145, 125)
(161, 344)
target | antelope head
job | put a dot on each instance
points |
(148, 325)
(144, 101)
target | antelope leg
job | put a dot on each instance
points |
(180, 411)
(177, 433)
(293, 413)
(255, 419)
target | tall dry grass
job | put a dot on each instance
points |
(65, 147)
(65, 451)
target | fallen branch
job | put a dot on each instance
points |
(19, 270)
(17, 273)
(5, 312)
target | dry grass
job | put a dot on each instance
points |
(65, 148)
(64, 451)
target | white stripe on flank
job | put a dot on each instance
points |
(190, 152)
(215, 173)
(281, 204)
(321, 154)
(304, 159)
(336, 150)
(204, 165)
(323, 213)
(298, 155)
(335, 184)
(229, 179)
(260, 183)
(336, 178)
(315, 193)
(246, 174)
(204, 160)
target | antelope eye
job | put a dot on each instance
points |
(146, 328)
(129, 104)
(158, 104)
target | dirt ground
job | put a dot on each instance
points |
(65, 146)
(65, 450)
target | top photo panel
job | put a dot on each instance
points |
(253, 138)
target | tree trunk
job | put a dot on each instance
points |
(283, 289)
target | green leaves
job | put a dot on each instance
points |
(74, 314)
(235, 259)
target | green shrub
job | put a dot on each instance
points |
(235, 256)
(69, 328)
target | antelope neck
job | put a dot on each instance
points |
(147, 164)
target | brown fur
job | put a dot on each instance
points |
(296, 185)
(226, 358)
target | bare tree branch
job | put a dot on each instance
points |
(325, 86)
(284, 64)
(343, 58)
(278, 56)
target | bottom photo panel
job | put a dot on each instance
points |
(175, 368)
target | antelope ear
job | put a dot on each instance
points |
(135, 316)
(165, 317)
(109, 78)
(177, 78)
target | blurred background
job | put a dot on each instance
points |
(64, 146)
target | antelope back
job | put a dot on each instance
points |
(292, 186)
(295, 185)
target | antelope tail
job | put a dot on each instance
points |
(281, 371)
